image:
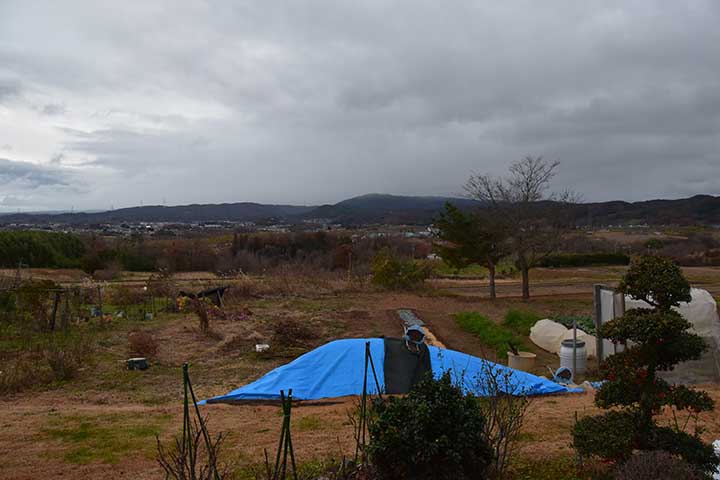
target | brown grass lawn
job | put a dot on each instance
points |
(103, 423)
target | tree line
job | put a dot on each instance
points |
(40, 249)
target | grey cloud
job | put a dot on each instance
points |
(315, 101)
(8, 90)
(11, 201)
(30, 175)
(53, 109)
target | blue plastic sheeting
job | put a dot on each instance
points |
(336, 369)
(474, 373)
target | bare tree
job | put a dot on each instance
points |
(539, 218)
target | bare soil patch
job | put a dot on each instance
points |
(63, 430)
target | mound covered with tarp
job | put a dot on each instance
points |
(337, 369)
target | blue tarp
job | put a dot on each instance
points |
(336, 369)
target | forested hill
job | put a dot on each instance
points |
(387, 209)
(697, 210)
(391, 209)
(232, 212)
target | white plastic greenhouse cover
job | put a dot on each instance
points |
(701, 311)
(548, 335)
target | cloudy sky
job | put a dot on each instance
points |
(117, 103)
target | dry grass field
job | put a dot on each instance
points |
(103, 423)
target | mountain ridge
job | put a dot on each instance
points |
(378, 208)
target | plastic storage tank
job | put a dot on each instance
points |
(566, 356)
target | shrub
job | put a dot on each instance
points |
(65, 354)
(660, 339)
(654, 244)
(392, 272)
(521, 321)
(194, 456)
(19, 374)
(292, 333)
(35, 299)
(605, 436)
(656, 465)
(142, 344)
(435, 432)
(42, 357)
(495, 336)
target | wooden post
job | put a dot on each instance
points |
(597, 289)
(100, 298)
(65, 315)
(574, 364)
(56, 302)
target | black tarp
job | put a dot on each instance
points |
(403, 368)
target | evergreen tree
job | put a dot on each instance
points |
(659, 339)
(470, 239)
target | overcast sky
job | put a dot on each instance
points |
(117, 103)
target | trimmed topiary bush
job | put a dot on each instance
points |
(435, 432)
(656, 280)
(660, 339)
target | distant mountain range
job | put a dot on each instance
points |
(383, 209)
(230, 212)
(387, 209)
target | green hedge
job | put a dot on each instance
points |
(40, 249)
(584, 259)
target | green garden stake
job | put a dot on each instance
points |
(285, 446)
(362, 424)
(360, 445)
(282, 438)
(187, 442)
(289, 438)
